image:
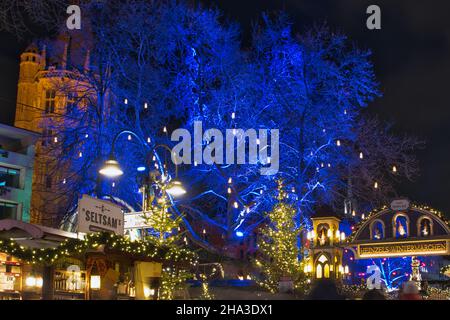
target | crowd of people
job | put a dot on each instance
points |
(328, 290)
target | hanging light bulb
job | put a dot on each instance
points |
(165, 129)
(257, 141)
(375, 185)
(363, 216)
(113, 184)
(229, 190)
(154, 158)
(229, 180)
(64, 181)
(236, 205)
(86, 136)
(247, 210)
(353, 213)
(148, 140)
(145, 105)
(195, 163)
(394, 169)
(233, 115)
(129, 137)
(80, 154)
(204, 231)
(361, 156)
(293, 190)
(125, 101)
(260, 191)
(338, 143)
(345, 111)
(56, 139)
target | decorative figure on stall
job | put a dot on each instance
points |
(377, 235)
(415, 274)
(322, 238)
(425, 228)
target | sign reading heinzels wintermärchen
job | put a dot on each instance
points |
(96, 215)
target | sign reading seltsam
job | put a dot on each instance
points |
(96, 215)
(411, 248)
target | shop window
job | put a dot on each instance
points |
(401, 226)
(50, 98)
(377, 230)
(9, 177)
(8, 210)
(425, 227)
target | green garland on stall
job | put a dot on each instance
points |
(110, 243)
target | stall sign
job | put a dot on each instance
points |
(96, 215)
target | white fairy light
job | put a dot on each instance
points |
(236, 205)
(233, 115)
(129, 137)
(338, 143)
(125, 101)
(361, 156)
(145, 105)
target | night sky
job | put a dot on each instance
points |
(411, 54)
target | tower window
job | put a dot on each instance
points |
(48, 182)
(50, 96)
(71, 101)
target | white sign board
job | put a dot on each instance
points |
(96, 215)
(135, 220)
(400, 205)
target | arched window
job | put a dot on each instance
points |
(326, 271)
(400, 225)
(424, 227)
(319, 271)
(377, 230)
(322, 267)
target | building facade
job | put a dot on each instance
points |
(48, 86)
(17, 152)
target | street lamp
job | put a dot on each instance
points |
(111, 167)
(175, 188)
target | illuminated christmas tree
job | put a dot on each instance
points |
(278, 246)
(165, 231)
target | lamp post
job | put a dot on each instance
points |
(111, 168)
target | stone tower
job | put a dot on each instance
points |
(45, 70)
